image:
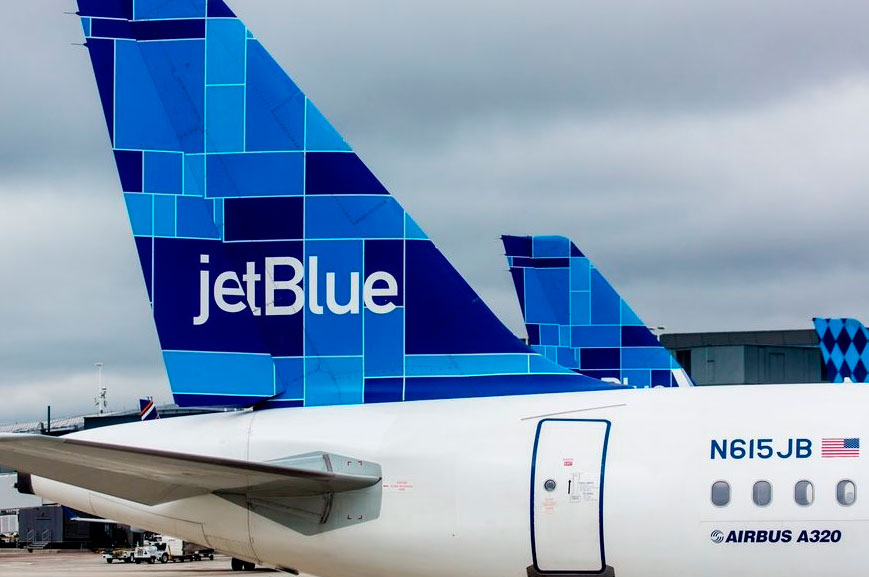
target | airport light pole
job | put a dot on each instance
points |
(100, 400)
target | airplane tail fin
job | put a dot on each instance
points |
(278, 268)
(148, 410)
(574, 316)
(843, 348)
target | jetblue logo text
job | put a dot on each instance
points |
(760, 449)
(234, 293)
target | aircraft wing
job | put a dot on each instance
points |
(151, 477)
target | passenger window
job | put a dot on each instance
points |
(761, 494)
(720, 493)
(846, 493)
(804, 493)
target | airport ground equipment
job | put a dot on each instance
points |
(149, 553)
(240, 565)
(122, 555)
(180, 551)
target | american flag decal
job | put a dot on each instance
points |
(840, 447)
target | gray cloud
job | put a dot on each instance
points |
(72, 296)
(51, 118)
(707, 156)
(446, 62)
(718, 203)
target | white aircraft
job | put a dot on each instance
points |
(391, 425)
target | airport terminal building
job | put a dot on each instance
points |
(749, 357)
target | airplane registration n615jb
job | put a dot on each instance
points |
(392, 425)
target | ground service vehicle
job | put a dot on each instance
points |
(122, 555)
(150, 553)
(181, 551)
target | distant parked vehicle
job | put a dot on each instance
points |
(124, 555)
(181, 551)
(150, 553)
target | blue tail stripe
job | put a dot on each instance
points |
(221, 373)
(168, 29)
(160, 9)
(106, 8)
(339, 173)
(148, 30)
(219, 9)
(216, 400)
(320, 135)
(429, 388)
(264, 218)
(334, 381)
(389, 390)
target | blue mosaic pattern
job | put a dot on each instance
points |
(575, 318)
(279, 269)
(843, 348)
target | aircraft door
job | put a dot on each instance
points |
(567, 497)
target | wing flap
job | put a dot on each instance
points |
(151, 477)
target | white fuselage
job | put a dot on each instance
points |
(457, 483)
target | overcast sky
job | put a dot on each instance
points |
(710, 157)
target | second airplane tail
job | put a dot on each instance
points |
(148, 410)
(575, 318)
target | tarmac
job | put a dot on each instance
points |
(17, 563)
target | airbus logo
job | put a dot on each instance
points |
(717, 536)
(776, 536)
(232, 293)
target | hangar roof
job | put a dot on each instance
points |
(785, 338)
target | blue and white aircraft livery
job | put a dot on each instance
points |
(575, 317)
(392, 425)
(280, 271)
